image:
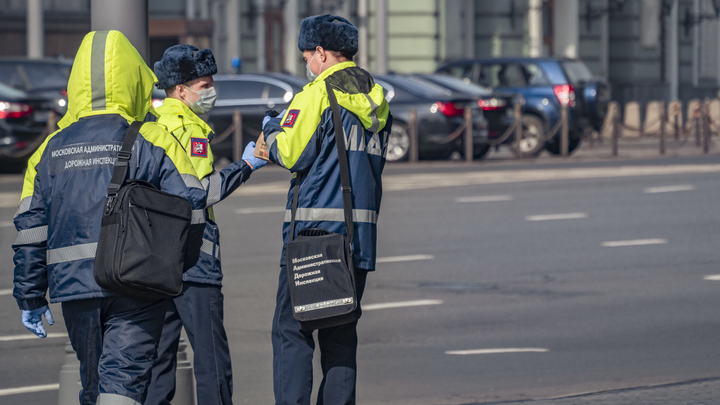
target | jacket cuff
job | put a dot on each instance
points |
(32, 303)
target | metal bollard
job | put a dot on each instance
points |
(705, 122)
(414, 147)
(662, 128)
(184, 378)
(676, 123)
(615, 134)
(564, 132)
(468, 135)
(696, 119)
(237, 136)
(517, 112)
(70, 384)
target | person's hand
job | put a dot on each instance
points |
(248, 156)
(32, 319)
(268, 117)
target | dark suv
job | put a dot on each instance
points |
(544, 83)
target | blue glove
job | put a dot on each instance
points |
(268, 117)
(32, 319)
(256, 163)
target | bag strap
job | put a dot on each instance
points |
(344, 173)
(122, 162)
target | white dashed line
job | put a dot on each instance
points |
(6, 224)
(484, 198)
(635, 242)
(400, 304)
(393, 259)
(26, 390)
(552, 217)
(29, 336)
(669, 189)
(259, 210)
(714, 277)
(6, 292)
(495, 351)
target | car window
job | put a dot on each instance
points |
(458, 85)
(239, 89)
(47, 76)
(8, 93)
(577, 72)
(490, 75)
(458, 71)
(275, 91)
(514, 76)
(10, 76)
(535, 76)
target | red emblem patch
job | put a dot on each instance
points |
(199, 147)
(291, 118)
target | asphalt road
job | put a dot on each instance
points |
(498, 283)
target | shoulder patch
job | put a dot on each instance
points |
(291, 118)
(199, 147)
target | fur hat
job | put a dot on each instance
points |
(182, 63)
(330, 32)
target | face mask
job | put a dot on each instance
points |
(205, 102)
(310, 75)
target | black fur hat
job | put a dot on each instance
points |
(182, 63)
(330, 32)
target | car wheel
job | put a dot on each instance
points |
(398, 147)
(553, 146)
(533, 134)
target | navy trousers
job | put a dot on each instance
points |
(116, 341)
(293, 353)
(200, 309)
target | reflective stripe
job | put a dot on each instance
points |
(32, 235)
(207, 248)
(191, 181)
(24, 206)
(97, 70)
(324, 304)
(70, 253)
(114, 399)
(331, 214)
(198, 217)
(269, 142)
(373, 115)
(214, 189)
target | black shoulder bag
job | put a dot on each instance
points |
(320, 271)
(141, 251)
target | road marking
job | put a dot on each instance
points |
(393, 259)
(5, 224)
(484, 198)
(259, 210)
(494, 351)
(635, 242)
(400, 304)
(552, 217)
(26, 390)
(29, 336)
(6, 292)
(714, 277)
(669, 189)
(419, 181)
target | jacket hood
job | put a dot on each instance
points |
(108, 77)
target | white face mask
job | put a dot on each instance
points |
(310, 75)
(205, 102)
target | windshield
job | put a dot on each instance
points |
(458, 85)
(419, 87)
(577, 72)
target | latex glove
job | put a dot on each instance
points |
(248, 156)
(268, 117)
(32, 319)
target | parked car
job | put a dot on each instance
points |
(544, 83)
(440, 115)
(497, 108)
(253, 95)
(46, 78)
(23, 121)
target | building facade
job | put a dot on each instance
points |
(646, 49)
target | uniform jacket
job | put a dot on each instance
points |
(303, 141)
(63, 195)
(195, 136)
